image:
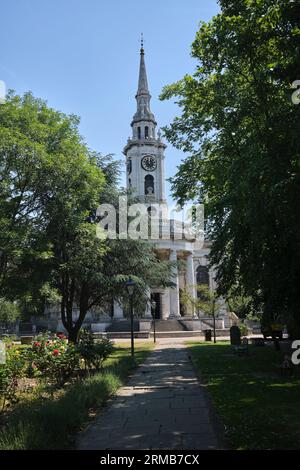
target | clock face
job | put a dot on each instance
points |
(149, 163)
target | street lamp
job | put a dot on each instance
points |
(130, 285)
(153, 305)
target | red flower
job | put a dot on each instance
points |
(55, 352)
(37, 344)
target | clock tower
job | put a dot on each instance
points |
(145, 150)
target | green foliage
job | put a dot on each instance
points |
(10, 373)
(53, 360)
(48, 178)
(243, 329)
(207, 301)
(93, 352)
(51, 185)
(240, 128)
(241, 305)
(9, 311)
(54, 423)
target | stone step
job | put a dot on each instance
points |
(123, 326)
(168, 325)
(159, 334)
(178, 334)
(122, 334)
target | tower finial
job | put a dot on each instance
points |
(142, 43)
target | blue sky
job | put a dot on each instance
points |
(82, 56)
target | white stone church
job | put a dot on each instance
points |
(145, 175)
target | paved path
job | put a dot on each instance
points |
(162, 407)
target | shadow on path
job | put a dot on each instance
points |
(163, 406)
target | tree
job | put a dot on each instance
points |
(207, 301)
(239, 126)
(45, 167)
(9, 311)
(240, 305)
(90, 271)
(51, 185)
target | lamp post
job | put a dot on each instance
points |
(153, 305)
(130, 284)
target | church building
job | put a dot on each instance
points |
(145, 176)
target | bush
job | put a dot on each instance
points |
(9, 311)
(243, 329)
(93, 352)
(53, 360)
(53, 424)
(10, 373)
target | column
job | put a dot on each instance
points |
(148, 314)
(165, 304)
(118, 311)
(190, 282)
(174, 292)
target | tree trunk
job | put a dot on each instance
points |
(83, 308)
(215, 336)
(73, 335)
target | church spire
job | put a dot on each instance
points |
(143, 82)
(143, 97)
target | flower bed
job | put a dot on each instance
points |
(51, 360)
(52, 421)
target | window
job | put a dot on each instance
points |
(149, 185)
(139, 132)
(146, 132)
(202, 275)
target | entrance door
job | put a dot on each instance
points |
(157, 312)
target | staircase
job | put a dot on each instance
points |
(122, 326)
(168, 325)
(171, 328)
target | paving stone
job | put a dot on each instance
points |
(186, 402)
(154, 418)
(164, 441)
(190, 415)
(188, 428)
(162, 407)
(199, 442)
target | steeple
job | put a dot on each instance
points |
(143, 96)
(144, 151)
(143, 82)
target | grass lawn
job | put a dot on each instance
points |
(259, 408)
(42, 422)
